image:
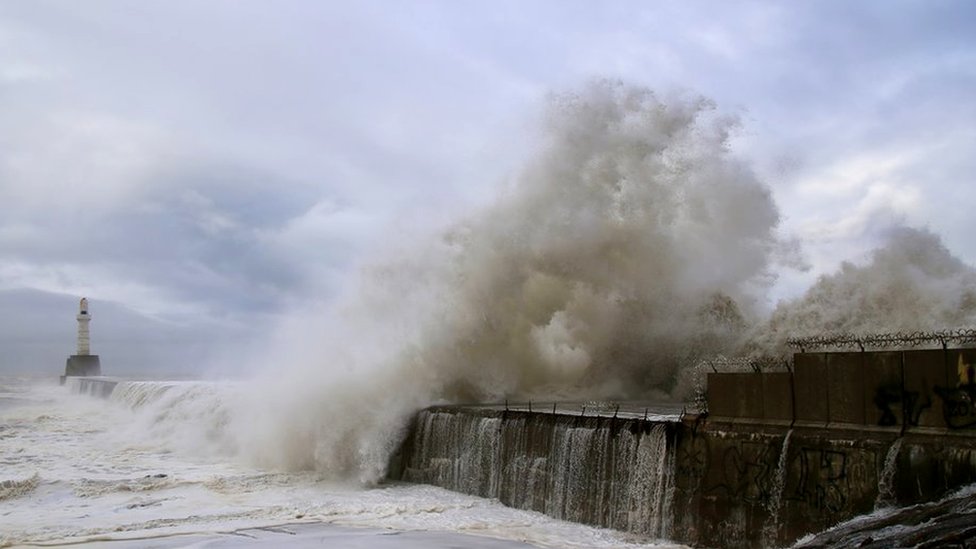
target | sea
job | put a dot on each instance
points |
(105, 472)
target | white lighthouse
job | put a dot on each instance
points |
(84, 339)
(83, 363)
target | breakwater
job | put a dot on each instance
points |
(777, 456)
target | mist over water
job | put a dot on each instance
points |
(633, 244)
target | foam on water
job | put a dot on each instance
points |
(13, 488)
(79, 468)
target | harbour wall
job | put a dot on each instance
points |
(777, 455)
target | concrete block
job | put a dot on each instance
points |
(735, 395)
(810, 387)
(845, 387)
(777, 397)
(83, 365)
(721, 395)
(923, 371)
(883, 389)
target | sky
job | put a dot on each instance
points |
(200, 169)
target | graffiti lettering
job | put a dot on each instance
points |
(959, 404)
(884, 397)
(912, 403)
(692, 462)
(958, 409)
(823, 479)
(915, 405)
(746, 473)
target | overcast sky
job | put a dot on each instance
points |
(193, 167)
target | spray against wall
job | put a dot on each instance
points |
(632, 244)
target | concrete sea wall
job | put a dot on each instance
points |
(739, 486)
(789, 453)
(778, 456)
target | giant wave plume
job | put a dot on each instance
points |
(631, 245)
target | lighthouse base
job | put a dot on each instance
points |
(83, 365)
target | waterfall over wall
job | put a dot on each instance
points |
(136, 394)
(610, 472)
(101, 387)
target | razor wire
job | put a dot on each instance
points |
(746, 364)
(884, 340)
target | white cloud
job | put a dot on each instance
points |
(20, 72)
(78, 163)
(853, 174)
(97, 284)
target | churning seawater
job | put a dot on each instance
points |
(146, 465)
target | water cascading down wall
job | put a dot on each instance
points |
(779, 455)
(607, 471)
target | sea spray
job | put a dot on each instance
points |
(189, 416)
(633, 243)
(910, 283)
(886, 479)
(136, 394)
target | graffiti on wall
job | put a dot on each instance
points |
(959, 402)
(891, 397)
(821, 480)
(692, 462)
(886, 398)
(905, 403)
(747, 470)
